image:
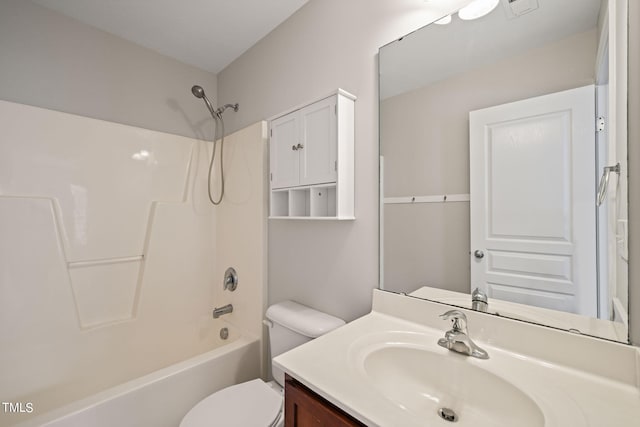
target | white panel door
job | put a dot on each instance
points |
(319, 142)
(284, 152)
(532, 171)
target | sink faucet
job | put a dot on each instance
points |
(457, 339)
(219, 311)
(479, 300)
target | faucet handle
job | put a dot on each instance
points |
(459, 320)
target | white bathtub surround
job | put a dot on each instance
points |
(241, 227)
(109, 252)
(100, 183)
(559, 376)
(161, 398)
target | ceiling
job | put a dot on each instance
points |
(208, 34)
(439, 51)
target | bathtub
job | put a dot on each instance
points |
(163, 397)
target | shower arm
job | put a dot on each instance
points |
(220, 110)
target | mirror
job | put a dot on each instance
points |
(496, 137)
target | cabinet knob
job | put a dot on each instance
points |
(294, 148)
(299, 146)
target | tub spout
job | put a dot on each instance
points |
(219, 311)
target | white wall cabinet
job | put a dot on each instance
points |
(312, 160)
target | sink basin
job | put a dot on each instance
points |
(438, 386)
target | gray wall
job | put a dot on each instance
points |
(55, 62)
(329, 44)
(425, 144)
(634, 170)
(332, 266)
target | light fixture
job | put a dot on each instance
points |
(477, 9)
(443, 21)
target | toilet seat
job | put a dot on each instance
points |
(249, 404)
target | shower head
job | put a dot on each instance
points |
(198, 92)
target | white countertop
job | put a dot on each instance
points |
(599, 389)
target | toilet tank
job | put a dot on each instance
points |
(293, 324)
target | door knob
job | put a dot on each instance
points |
(478, 254)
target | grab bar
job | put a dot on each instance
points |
(604, 181)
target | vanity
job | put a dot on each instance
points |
(303, 407)
(386, 369)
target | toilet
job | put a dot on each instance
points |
(257, 403)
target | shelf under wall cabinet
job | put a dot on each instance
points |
(310, 202)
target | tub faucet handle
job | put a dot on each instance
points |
(230, 279)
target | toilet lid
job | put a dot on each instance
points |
(250, 404)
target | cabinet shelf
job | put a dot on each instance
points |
(306, 202)
(312, 160)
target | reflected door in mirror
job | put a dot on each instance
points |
(533, 201)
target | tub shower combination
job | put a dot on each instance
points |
(111, 265)
(163, 397)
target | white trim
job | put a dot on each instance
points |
(602, 54)
(620, 311)
(316, 218)
(381, 202)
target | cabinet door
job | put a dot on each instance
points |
(303, 408)
(285, 169)
(319, 141)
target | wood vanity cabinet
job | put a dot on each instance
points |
(304, 408)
